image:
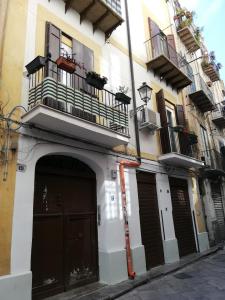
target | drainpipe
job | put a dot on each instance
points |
(129, 164)
(132, 84)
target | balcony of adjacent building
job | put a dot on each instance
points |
(188, 36)
(210, 68)
(69, 104)
(166, 63)
(201, 95)
(103, 14)
(214, 163)
(218, 116)
(179, 148)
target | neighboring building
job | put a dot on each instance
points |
(61, 205)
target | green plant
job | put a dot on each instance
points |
(185, 23)
(123, 89)
(97, 76)
(198, 34)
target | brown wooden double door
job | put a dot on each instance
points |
(149, 219)
(64, 248)
(182, 216)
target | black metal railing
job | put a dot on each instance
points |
(219, 111)
(115, 5)
(158, 45)
(198, 84)
(71, 94)
(213, 159)
(181, 142)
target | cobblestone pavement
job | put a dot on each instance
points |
(203, 280)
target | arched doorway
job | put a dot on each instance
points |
(64, 247)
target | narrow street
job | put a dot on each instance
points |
(202, 280)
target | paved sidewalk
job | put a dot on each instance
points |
(100, 292)
(204, 280)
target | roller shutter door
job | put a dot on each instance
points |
(219, 211)
(149, 219)
(182, 216)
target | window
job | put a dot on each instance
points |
(171, 119)
(66, 49)
(205, 145)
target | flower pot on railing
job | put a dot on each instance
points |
(123, 98)
(67, 64)
(36, 64)
(178, 128)
(193, 138)
(96, 80)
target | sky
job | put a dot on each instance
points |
(210, 14)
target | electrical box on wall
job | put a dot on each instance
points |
(149, 119)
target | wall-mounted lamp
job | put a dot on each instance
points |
(145, 92)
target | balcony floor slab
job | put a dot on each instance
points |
(48, 118)
(180, 160)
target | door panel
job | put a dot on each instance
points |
(80, 240)
(149, 219)
(64, 249)
(47, 249)
(182, 217)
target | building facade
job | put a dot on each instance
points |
(67, 132)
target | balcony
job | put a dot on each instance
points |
(182, 150)
(64, 103)
(201, 95)
(218, 116)
(103, 14)
(210, 69)
(188, 38)
(214, 164)
(166, 63)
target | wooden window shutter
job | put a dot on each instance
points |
(172, 49)
(52, 46)
(180, 115)
(154, 36)
(164, 131)
(85, 57)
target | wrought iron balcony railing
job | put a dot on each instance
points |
(115, 5)
(218, 115)
(71, 94)
(200, 94)
(182, 142)
(163, 59)
(214, 159)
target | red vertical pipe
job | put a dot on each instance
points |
(129, 164)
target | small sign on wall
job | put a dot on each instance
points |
(21, 167)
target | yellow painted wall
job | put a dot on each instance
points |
(10, 95)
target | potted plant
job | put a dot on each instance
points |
(178, 128)
(198, 34)
(95, 80)
(180, 12)
(66, 63)
(193, 138)
(36, 64)
(121, 95)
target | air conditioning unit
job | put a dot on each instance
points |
(149, 119)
